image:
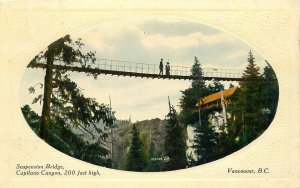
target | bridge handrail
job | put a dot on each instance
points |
(129, 66)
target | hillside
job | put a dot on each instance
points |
(153, 130)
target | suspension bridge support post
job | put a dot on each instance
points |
(224, 109)
(45, 118)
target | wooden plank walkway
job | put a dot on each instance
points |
(130, 74)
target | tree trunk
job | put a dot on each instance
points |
(45, 119)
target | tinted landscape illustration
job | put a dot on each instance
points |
(149, 95)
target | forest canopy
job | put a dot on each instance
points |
(87, 129)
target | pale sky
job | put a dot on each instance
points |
(147, 41)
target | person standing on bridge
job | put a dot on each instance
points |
(161, 67)
(168, 69)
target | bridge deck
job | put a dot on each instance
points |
(131, 74)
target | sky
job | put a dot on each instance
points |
(147, 40)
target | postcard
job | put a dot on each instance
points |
(152, 94)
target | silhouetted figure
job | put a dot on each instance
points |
(161, 67)
(168, 69)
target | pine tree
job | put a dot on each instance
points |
(271, 88)
(210, 144)
(136, 160)
(205, 136)
(215, 87)
(251, 72)
(190, 96)
(196, 71)
(270, 93)
(154, 163)
(63, 102)
(175, 145)
(32, 118)
(250, 101)
(205, 143)
(66, 141)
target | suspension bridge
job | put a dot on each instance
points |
(142, 70)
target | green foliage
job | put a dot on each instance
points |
(151, 131)
(205, 139)
(66, 52)
(256, 102)
(32, 118)
(64, 139)
(196, 71)
(175, 145)
(215, 87)
(136, 160)
(188, 114)
(271, 92)
(205, 143)
(251, 72)
(70, 105)
(69, 108)
(155, 162)
(250, 103)
(252, 108)
(152, 150)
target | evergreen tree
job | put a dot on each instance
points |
(196, 71)
(136, 160)
(251, 109)
(250, 103)
(175, 145)
(226, 143)
(63, 102)
(205, 136)
(271, 91)
(152, 152)
(215, 87)
(154, 162)
(32, 118)
(251, 73)
(65, 140)
(205, 143)
(190, 96)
